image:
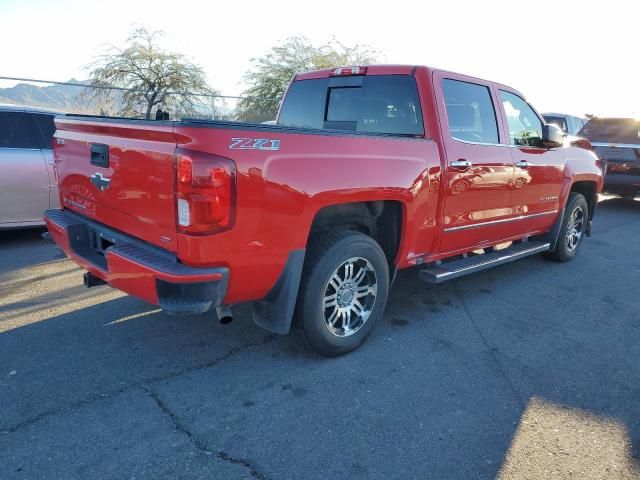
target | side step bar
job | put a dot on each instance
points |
(458, 268)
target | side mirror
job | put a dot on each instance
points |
(552, 136)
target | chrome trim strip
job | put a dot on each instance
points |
(479, 143)
(502, 220)
(618, 145)
(20, 148)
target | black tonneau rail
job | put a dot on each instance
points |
(230, 125)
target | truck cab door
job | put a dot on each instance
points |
(478, 174)
(539, 171)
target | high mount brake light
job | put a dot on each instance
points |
(346, 71)
(205, 192)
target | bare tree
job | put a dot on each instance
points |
(147, 78)
(271, 73)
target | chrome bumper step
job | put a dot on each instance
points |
(438, 273)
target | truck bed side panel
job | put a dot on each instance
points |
(279, 193)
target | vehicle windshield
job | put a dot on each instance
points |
(612, 130)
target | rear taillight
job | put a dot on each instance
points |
(205, 192)
(582, 143)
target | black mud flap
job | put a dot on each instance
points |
(275, 312)
(552, 235)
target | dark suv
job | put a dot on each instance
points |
(569, 124)
(617, 141)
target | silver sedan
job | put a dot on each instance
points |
(27, 181)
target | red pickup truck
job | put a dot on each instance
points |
(368, 170)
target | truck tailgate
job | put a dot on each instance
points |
(119, 173)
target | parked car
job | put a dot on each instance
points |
(310, 219)
(569, 124)
(27, 182)
(617, 142)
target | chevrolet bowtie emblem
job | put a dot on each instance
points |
(99, 181)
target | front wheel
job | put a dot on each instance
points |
(572, 230)
(343, 292)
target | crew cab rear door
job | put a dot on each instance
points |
(539, 170)
(478, 174)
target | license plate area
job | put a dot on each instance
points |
(99, 242)
(91, 243)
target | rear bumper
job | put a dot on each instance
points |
(136, 267)
(625, 183)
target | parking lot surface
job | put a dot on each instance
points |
(529, 370)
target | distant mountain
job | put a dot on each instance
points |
(57, 97)
(66, 98)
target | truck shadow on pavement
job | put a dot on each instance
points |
(526, 369)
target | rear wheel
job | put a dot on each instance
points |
(572, 230)
(343, 291)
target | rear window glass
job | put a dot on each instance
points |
(304, 104)
(612, 130)
(46, 128)
(17, 131)
(381, 104)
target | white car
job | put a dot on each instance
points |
(27, 181)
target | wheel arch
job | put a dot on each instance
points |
(589, 189)
(383, 220)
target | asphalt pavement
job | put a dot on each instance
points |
(527, 371)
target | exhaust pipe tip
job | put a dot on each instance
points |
(225, 317)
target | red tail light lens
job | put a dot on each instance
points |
(582, 143)
(205, 192)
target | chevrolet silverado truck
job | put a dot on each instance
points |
(368, 170)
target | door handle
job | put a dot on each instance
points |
(523, 164)
(461, 163)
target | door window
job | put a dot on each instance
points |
(470, 110)
(17, 131)
(525, 127)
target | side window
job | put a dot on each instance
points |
(46, 128)
(17, 131)
(525, 128)
(472, 117)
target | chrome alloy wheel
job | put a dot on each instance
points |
(349, 297)
(575, 228)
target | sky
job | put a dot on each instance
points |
(567, 56)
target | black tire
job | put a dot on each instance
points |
(327, 253)
(566, 249)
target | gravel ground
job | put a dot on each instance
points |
(529, 370)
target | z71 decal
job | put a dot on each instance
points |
(254, 144)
